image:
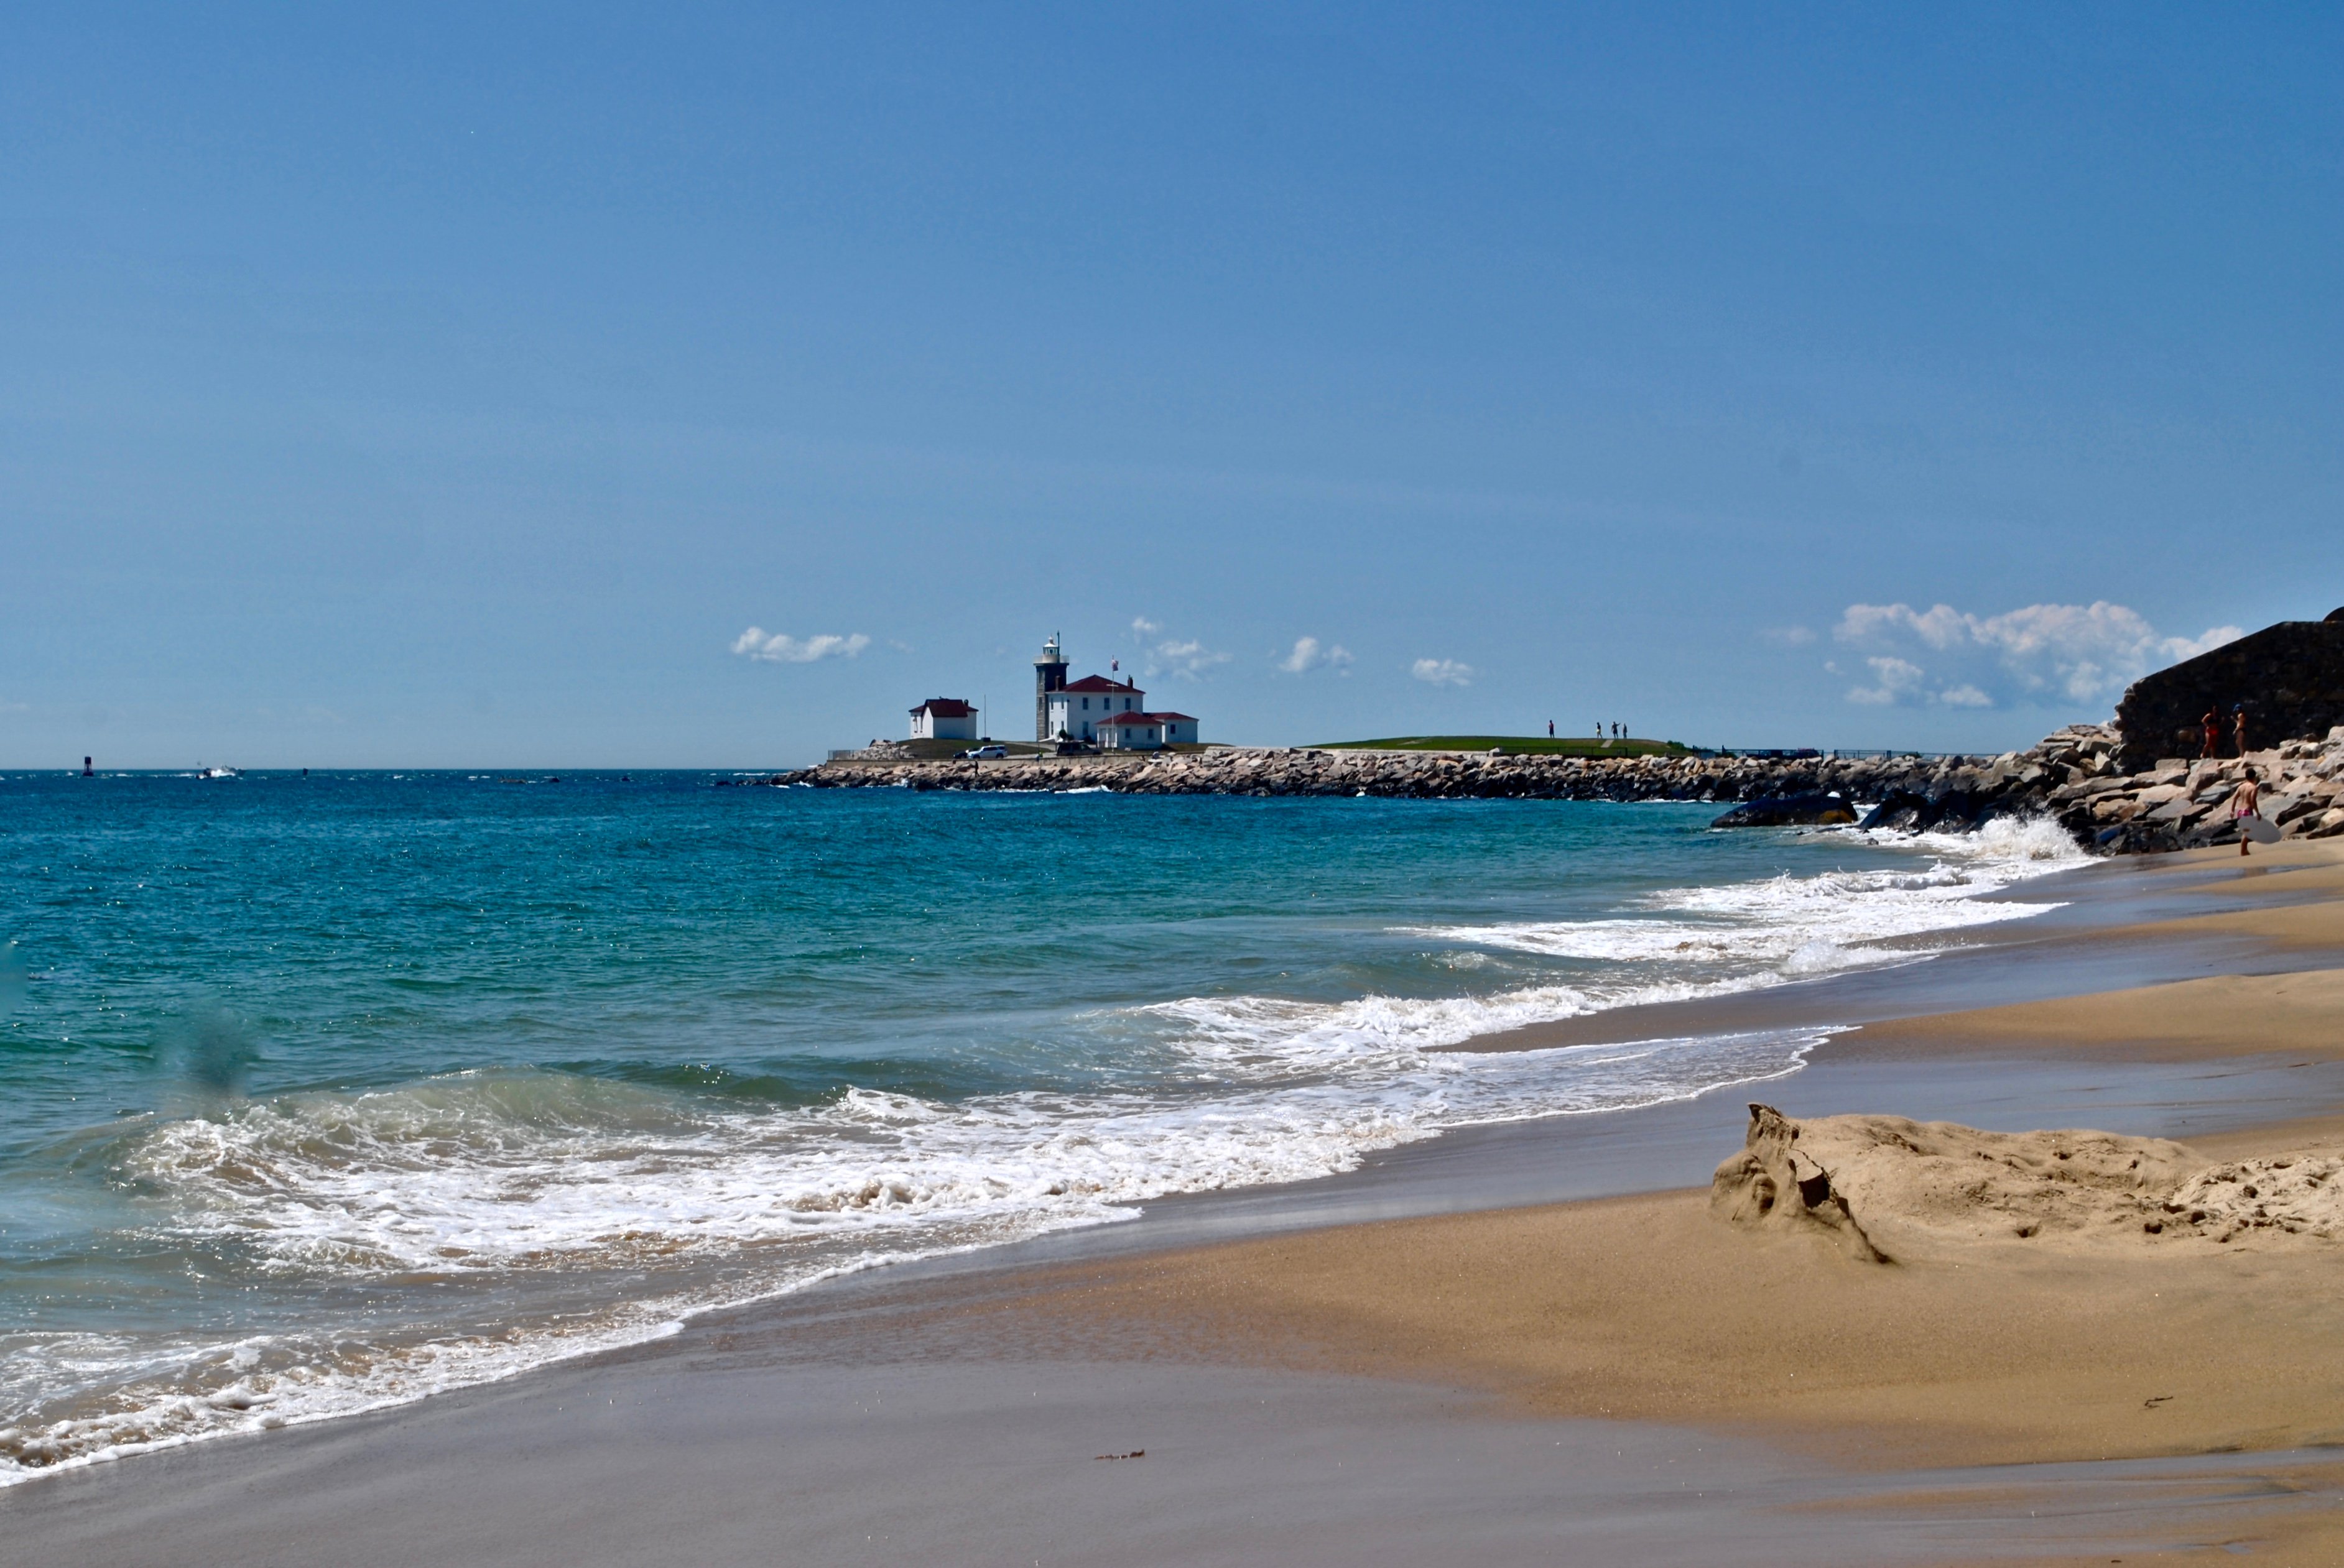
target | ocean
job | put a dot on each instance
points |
(326, 1092)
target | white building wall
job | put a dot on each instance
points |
(1078, 714)
(1132, 736)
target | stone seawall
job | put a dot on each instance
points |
(2289, 678)
(1419, 775)
(2072, 776)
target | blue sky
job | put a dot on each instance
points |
(428, 387)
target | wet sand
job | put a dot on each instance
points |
(1504, 1344)
(721, 1461)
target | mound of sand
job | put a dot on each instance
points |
(1879, 1185)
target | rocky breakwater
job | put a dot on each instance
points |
(2074, 775)
(2176, 804)
(1996, 782)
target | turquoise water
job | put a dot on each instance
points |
(329, 1091)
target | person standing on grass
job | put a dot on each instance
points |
(1549, 729)
(2246, 801)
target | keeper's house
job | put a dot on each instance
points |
(1079, 707)
(943, 718)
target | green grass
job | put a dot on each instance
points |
(1516, 744)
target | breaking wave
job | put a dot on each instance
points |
(582, 1212)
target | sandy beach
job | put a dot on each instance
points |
(1171, 786)
(2061, 1345)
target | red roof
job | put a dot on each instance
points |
(1098, 683)
(1150, 718)
(945, 707)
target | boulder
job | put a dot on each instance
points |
(1812, 808)
(1900, 809)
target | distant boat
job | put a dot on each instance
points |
(219, 772)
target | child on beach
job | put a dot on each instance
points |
(2245, 801)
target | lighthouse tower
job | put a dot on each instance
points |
(1049, 676)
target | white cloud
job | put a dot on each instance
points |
(782, 649)
(1189, 659)
(1789, 636)
(2040, 655)
(1899, 682)
(1184, 656)
(1442, 671)
(1308, 655)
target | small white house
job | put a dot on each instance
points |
(943, 718)
(1147, 731)
(1077, 710)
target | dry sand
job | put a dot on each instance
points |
(2033, 1319)
(2052, 1296)
(1993, 1351)
(1980, 1300)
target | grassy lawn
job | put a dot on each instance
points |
(1517, 744)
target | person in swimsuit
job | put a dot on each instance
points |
(2238, 726)
(2246, 801)
(2212, 725)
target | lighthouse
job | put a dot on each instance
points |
(1049, 676)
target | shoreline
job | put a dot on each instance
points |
(1104, 1298)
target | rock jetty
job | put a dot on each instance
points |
(2176, 804)
(2072, 776)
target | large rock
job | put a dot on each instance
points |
(1809, 810)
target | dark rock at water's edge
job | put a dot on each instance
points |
(2289, 678)
(1903, 808)
(1955, 810)
(1814, 809)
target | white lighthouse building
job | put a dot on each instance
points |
(1099, 710)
